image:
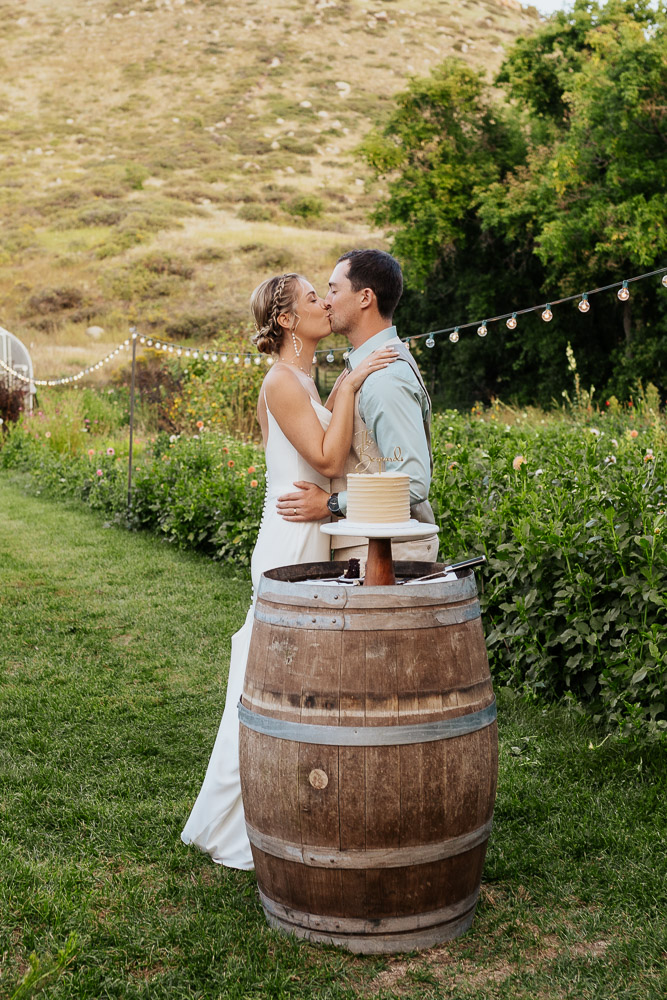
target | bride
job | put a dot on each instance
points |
(303, 441)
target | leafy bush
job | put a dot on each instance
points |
(569, 510)
(256, 213)
(203, 492)
(309, 206)
(12, 398)
(571, 518)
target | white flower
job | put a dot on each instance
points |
(539, 472)
(610, 460)
(614, 442)
(595, 431)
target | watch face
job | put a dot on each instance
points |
(332, 504)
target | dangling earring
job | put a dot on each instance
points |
(297, 350)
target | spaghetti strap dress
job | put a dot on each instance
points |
(216, 824)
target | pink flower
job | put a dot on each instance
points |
(99, 472)
(48, 434)
(517, 462)
(110, 451)
(253, 483)
(91, 452)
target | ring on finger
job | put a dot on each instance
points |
(295, 512)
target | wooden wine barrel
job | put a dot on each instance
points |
(369, 757)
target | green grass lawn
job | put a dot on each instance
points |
(113, 659)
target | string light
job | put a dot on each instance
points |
(511, 322)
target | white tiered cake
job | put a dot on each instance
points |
(378, 498)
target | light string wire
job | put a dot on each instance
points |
(238, 357)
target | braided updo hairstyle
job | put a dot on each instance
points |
(269, 300)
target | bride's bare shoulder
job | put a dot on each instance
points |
(281, 383)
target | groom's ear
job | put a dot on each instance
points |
(366, 298)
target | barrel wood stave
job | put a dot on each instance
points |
(379, 846)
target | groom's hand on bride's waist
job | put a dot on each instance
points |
(308, 504)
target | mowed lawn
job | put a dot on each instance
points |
(113, 660)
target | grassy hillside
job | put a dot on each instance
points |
(159, 157)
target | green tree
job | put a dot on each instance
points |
(548, 182)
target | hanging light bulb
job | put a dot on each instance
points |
(482, 330)
(179, 352)
(224, 359)
(624, 292)
(314, 359)
(664, 280)
(583, 305)
(430, 342)
(188, 353)
(205, 357)
(547, 315)
(236, 359)
(258, 360)
(454, 336)
(269, 361)
(511, 322)
(142, 340)
(158, 345)
(195, 354)
(149, 342)
(347, 354)
(246, 361)
(214, 357)
(330, 357)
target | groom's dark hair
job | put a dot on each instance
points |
(379, 271)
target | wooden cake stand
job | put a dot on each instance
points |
(380, 564)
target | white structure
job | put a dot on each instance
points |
(15, 355)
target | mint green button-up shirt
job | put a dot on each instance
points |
(394, 406)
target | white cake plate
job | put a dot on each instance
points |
(397, 531)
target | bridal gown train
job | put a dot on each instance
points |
(217, 823)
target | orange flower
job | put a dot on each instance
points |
(251, 468)
(230, 464)
(634, 433)
(200, 424)
(253, 483)
(225, 451)
(453, 465)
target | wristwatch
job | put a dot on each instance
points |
(332, 504)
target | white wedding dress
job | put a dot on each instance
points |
(217, 823)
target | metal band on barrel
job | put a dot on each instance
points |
(368, 736)
(388, 857)
(356, 925)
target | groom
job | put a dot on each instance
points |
(392, 414)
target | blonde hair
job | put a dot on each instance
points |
(269, 300)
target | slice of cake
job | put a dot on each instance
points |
(378, 498)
